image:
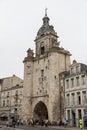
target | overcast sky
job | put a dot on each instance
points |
(21, 19)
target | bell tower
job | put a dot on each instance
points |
(46, 37)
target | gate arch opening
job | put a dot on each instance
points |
(40, 111)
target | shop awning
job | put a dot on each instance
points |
(3, 115)
(73, 110)
(68, 94)
(73, 93)
(78, 92)
(84, 91)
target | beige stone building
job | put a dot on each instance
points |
(41, 92)
(11, 89)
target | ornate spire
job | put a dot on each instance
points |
(46, 19)
(46, 27)
(45, 12)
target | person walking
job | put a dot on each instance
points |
(13, 123)
(65, 122)
(80, 124)
(18, 122)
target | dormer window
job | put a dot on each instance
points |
(72, 70)
(77, 81)
(77, 69)
(83, 79)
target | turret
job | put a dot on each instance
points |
(28, 77)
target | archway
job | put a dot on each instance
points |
(40, 111)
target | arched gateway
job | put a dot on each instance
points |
(40, 111)
(42, 83)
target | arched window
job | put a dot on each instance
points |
(3, 103)
(42, 49)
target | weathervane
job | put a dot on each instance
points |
(45, 11)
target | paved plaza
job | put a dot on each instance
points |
(40, 128)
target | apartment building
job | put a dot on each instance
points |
(10, 97)
(76, 93)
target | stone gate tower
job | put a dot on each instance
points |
(41, 96)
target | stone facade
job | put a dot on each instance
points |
(11, 89)
(41, 94)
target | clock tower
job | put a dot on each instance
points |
(41, 75)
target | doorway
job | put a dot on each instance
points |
(40, 111)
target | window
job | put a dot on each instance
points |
(16, 93)
(3, 103)
(79, 100)
(42, 48)
(77, 69)
(73, 99)
(15, 109)
(4, 94)
(79, 114)
(84, 97)
(77, 81)
(72, 82)
(72, 70)
(42, 73)
(85, 111)
(68, 99)
(67, 83)
(68, 115)
(7, 102)
(7, 94)
(83, 79)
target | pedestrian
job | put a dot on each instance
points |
(7, 123)
(65, 122)
(80, 124)
(18, 122)
(46, 123)
(14, 123)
